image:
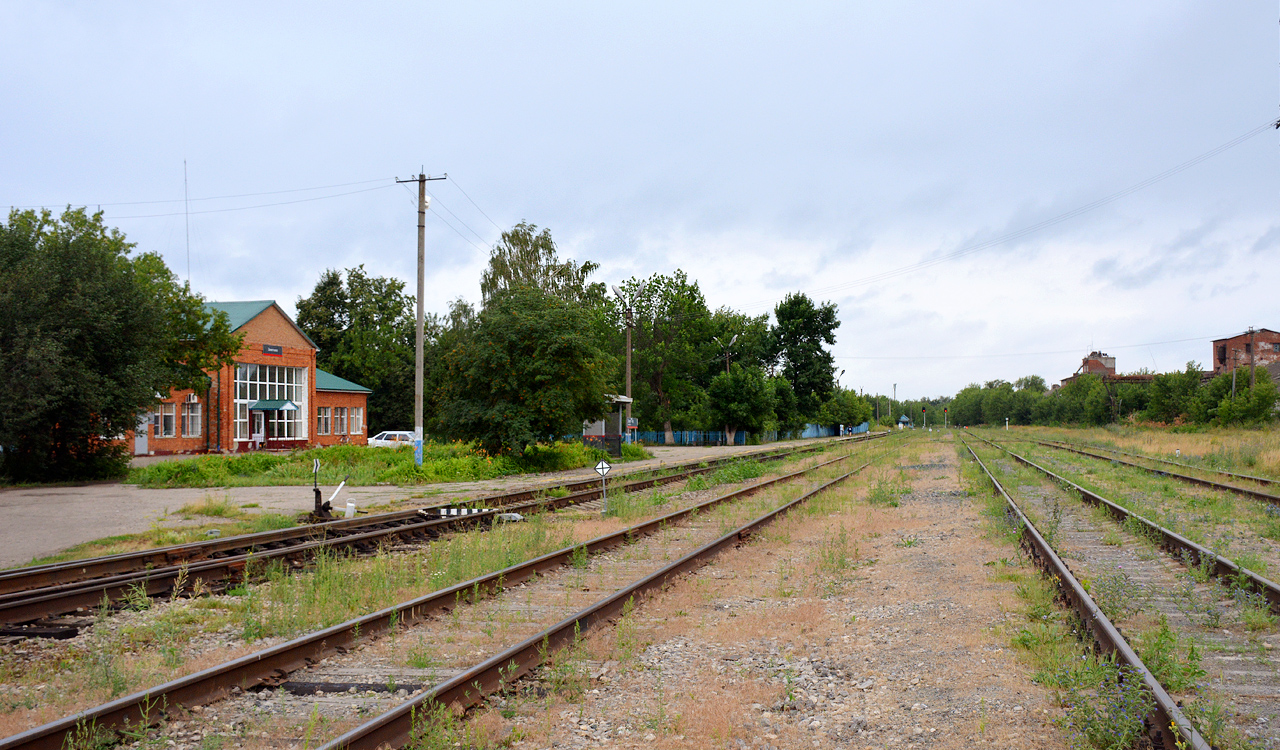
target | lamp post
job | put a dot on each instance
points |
(725, 347)
(627, 427)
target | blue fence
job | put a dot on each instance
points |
(691, 437)
(740, 437)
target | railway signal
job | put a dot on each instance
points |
(602, 468)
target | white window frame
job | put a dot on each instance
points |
(191, 418)
(254, 382)
(322, 420)
(166, 421)
(339, 420)
(357, 420)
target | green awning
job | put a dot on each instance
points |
(284, 405)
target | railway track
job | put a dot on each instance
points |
(1193, 594)
(1250, 491)
(1167, 462)
(30, 598)
(561, 601)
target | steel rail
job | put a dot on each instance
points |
(1275, 499)
(1247, 477)
(52, 574)
(32, 605)
(1172, 541)
(273, 664)
(1166, 717)
(467, 689)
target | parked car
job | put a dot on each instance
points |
(391, 439)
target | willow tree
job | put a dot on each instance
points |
(525, 257)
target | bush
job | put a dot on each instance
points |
(364, 465)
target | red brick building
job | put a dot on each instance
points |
(272, 397)
(1260, 348)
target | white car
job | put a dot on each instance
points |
(391, 439)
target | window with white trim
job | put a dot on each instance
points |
(191, 419)
(165, 423)
(357, 420)
(322, 420)
(339, 420)
(272, 383)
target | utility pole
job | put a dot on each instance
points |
(895, 398)
(1253, 357)
(626, 428)
(423, 203)
(726, 371)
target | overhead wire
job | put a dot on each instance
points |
(1038, 226)
(215, 197)
(1025, 354)
(441, 219)
(454, 182)
(459, 218)
(258, 205)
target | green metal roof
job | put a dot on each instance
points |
(327, 381)
(241, 312)
(273, 405)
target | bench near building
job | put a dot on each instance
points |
(272, 398)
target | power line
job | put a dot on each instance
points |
(1031, 354)
(258, 205)
(477, 205)
(1025, 231)
(464, 237)
(212, 198)
(459, 218)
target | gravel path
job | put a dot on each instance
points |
(763, 650)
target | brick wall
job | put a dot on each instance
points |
(1235, 351)
(271, 328)
(345, 400)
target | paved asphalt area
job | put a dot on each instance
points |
(44, 520)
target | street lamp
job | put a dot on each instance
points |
(627, 427)
(725, 347)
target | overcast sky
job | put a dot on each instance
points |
(763, 148)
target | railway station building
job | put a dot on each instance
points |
(273, 397)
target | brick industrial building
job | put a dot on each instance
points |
(1260, 348)
(272, 397)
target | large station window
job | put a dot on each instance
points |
(271, 383)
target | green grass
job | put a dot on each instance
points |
(442, 462)
(232, 524)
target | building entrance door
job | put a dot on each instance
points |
(259, 427)
(140, 435)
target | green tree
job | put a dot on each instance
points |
(785, 406)
(740, 399)
(89, 333)
(1173, 395)
(672, 326)
(1248, 406)
(364, 326)
(526, 257)
(799, 333)
(845, 407)
(750, 336)
(528, 371)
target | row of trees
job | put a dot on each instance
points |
(546, 343)
(1185, 397)
(90, 331)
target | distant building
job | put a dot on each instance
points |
(272, 397)
(1104, 366)
(1259, 347)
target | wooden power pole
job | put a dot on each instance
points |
(423, 203)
